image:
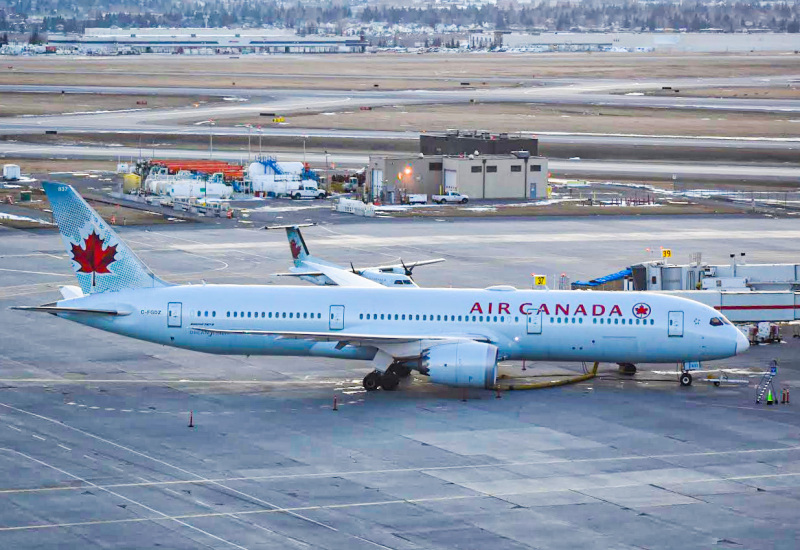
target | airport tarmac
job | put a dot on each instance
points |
(95, 451)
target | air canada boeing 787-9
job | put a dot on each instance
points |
(454, 336)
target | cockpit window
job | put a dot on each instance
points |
(716, 322)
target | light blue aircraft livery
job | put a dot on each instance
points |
(453, 336)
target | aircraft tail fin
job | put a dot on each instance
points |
(101, 260)
(297, 244)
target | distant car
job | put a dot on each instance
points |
(574, 158)
(450, 197)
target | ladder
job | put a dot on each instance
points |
(766, 383)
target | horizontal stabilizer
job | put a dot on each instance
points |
(289, 226)
(56, 309)
(301, 274)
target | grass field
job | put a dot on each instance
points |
(15, 104)
(406, 71)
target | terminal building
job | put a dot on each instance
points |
(481, 165)
(203, 41)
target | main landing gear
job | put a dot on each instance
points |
(388, 380)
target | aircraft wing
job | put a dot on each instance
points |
(57, 309)
(410, 265)
(375, 340)
(341, 277)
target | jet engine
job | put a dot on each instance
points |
(465, 364)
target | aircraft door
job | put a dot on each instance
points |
(675, 319)
(336, 319)
(174, 314)
(535, 323)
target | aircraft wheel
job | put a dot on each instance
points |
(390, 381)
(686, 379)
(400, 370)
(372, 381)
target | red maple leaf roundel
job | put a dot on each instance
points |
(641, 310)
(92, 257)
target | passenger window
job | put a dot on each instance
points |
(652, 321)
(213, 313)
(381, 316)
(438, 317)
(241, 314)
(424, 317)
(360, 315)
(594, 321)
(616, 321)
(580, 320)
(417, 319)
(395, 316)
(227, 313)
(234, 314)
(559, 320)
(480, 318)
(473, 318)
(284, 315)
(404, 317)
(270, 315)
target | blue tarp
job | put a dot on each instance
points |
(607, 279)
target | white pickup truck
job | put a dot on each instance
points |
(308, 192)
(450, 196)
(417, 198)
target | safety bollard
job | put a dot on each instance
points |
(191, 419)
(523, 365)
(497, 392)
(335, 403)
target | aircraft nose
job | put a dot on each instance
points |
(742, 344)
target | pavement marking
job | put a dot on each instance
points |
(39, 437)
(13, 427)
(178, 468)
(34, 272)
(423, 500)
(148, 508)
(317, 475)
(64, 447)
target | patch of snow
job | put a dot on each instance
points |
(14, 217)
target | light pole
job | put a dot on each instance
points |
(210, 139)
(304, 149)
(259, 140)
(249, 127)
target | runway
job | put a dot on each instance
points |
(96, 452)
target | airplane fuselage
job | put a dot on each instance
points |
(534, 325)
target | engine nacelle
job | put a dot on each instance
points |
(465, 364)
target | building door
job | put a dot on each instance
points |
(377, 184)
(336, 319)
(450, 180)
(535, 323)
(675, 323)
(174, 314)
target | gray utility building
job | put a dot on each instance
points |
(478, 171)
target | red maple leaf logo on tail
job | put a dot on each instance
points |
(92, 257)
(296, 249)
